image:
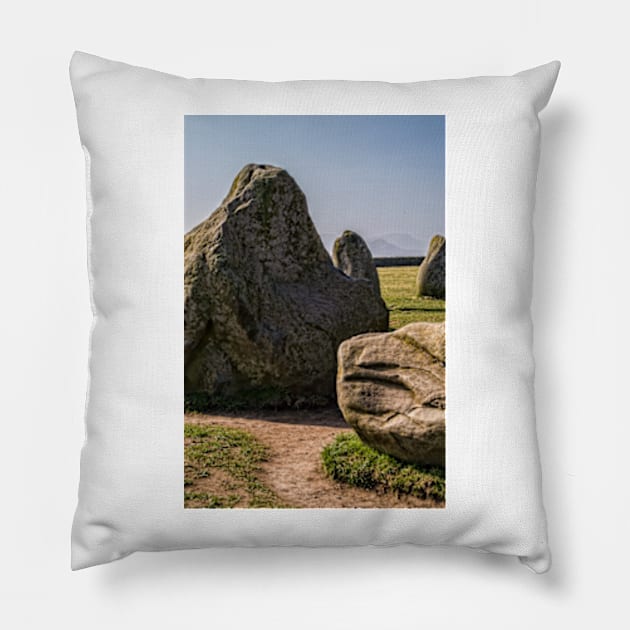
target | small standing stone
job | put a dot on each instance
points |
(352, 256)
(431, 279)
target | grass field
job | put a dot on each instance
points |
(398, 286)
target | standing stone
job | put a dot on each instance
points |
(264, 307)
(352, 255)
(391, 390)
(431, 279)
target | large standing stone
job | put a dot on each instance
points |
(431, 279)
(264, 307)
(391, 390)
(352, 255)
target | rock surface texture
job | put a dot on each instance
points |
(391, 390)
(352, 255)
(431, 278)
(264, 307)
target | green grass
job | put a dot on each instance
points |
(398, 285)
(349, 460)
(222, 467)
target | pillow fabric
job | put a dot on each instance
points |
(134, 125)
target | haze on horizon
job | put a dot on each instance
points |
(380, 176)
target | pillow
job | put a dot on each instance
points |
(312, 381)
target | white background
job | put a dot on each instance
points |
(580, 293)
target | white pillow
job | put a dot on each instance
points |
(131, 124)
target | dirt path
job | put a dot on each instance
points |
(294, 471)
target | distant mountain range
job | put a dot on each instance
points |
(387, 246)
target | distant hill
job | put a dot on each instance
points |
(406, 242)
(393, 245)
(383, 248)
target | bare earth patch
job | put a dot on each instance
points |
(294, 471)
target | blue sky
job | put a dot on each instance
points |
(376, 175)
